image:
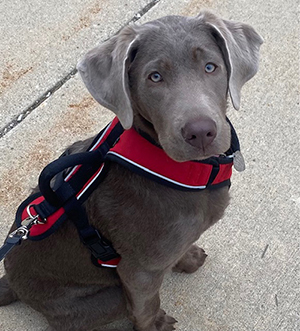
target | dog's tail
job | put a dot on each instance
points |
(7, 295)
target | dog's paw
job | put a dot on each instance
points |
(192, 260)
(164, 322)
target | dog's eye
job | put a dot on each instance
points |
(210, 67)
(155, 77)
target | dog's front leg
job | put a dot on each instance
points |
(143, 303)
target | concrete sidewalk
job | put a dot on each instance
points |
(251, 280)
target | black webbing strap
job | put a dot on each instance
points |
(65, 193)
(235, 143)
(59, 197)
(90, 161)
(9, 244)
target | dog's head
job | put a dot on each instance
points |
(171, 78)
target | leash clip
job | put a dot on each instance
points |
(23, 230)
(15, 238)
(26, 224)
(20, 233)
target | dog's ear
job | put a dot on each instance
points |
(239, 44)
(104, 72)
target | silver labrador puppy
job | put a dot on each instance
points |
(171, 79)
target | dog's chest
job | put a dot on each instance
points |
(133, 211)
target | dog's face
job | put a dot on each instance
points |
(178, 84)
(171, 78)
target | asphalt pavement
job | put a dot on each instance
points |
(251, 279)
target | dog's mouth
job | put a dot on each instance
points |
(196, 156)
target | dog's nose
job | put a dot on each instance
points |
(200, 132)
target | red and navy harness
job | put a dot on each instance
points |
(68, 181)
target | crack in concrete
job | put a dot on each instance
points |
(23, 114)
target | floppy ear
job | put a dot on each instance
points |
(104, 72)
(239, 44)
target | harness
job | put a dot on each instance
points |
(67, 182)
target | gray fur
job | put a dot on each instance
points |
(151, 226)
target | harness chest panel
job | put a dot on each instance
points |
(140, 156)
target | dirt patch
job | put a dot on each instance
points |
(17, 180)
(78, 119)
(84, 21)
(11, 74)
(85, 103)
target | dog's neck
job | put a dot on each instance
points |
(146, 129)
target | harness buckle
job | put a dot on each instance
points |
(98, 247)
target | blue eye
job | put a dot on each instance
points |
(155, 77)
(210, 67)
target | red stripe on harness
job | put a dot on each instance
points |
(114, 122)
(111, 263)
(96, 145)
(91, 180)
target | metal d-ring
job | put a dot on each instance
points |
(33, 218)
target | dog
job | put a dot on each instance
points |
(170, 79)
